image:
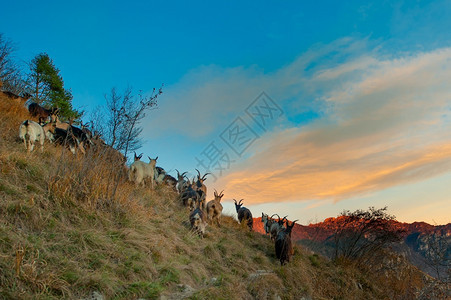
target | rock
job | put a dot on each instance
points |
(95, 296)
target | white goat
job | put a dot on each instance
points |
(139, 171)
(30, 132)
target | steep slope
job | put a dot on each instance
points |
(72, 227)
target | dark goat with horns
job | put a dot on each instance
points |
(244, 214)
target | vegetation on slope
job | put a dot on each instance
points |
(63, 235)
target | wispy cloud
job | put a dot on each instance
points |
(385, 123)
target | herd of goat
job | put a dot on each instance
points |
(192, 193)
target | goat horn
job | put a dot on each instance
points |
(221, 193)
(203, 177)
(198, 173)
(275, 215)
(235, 201)
(240, 201)
(178, 173)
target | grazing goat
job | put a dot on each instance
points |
(214, 208)
(61, 137)
(283, 245)
(170, 181)
(190, 197)
(162, 177)
(244, 214)
(30, 132)
(84, 141)
(38, 111)
(198, 220)
(160, 173)
(139, 171)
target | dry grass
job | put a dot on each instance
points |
(64, 235)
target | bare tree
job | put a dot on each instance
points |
(121, 124)
(10, 75)
(360, 234)
(123, 115)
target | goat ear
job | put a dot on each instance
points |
(156, 158)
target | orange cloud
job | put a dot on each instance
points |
(387, 124)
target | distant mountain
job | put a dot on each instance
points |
(417, 242)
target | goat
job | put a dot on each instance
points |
(137, 157)
(190, 197)
(58, 123)
(200, 186)
(86, 130)
(139, 171)
(82, 139)
(214, 208)
(198, 220)
(267, 222)
(244, 214)
(62, 137)
(30, 132)
(160, 173)
(38, 111)
(181, 182)
(276, 227)
(162, 177)
(283, 245)
(170, 181)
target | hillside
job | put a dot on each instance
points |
(70, 227)
(414, 245)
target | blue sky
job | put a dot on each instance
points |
(338, 70)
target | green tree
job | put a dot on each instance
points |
(47, 87)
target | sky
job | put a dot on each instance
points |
(300, 109)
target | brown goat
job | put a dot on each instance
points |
(214, 208)
(40, 112)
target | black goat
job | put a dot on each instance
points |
(283, 245)
(244, 214)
